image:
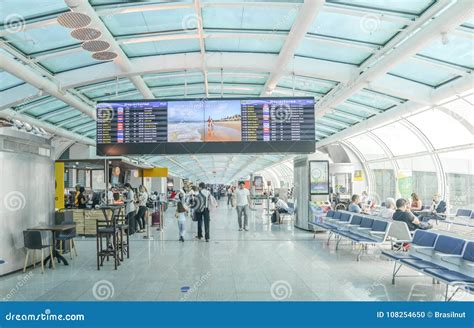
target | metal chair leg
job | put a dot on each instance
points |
(74, 243)
(26, 260)
(70, 248)
(34, 258)
(51, 257)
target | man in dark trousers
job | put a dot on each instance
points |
(202, 211)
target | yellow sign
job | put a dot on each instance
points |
(59, 195)
(157, 172)
(358, 175)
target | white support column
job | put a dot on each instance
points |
(202, 45)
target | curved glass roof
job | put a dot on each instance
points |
(360, 59)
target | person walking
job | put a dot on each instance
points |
(181, 211)
(229, 196)
(130, 208)
(243, 205)
(140, 218)
(202, 211)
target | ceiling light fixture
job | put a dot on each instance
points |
(72, 19)
(86, 34)
(96, 45)
(104, 55)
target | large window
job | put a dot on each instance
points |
(459, 170)
(384, 180)
(418, 175)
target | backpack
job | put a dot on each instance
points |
(201, 201)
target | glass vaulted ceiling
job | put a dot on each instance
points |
(237, 45)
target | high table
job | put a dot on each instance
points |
(54, 229)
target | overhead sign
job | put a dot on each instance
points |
(250, 125)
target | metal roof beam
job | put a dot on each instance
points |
(30, 76)
(443, 16)
(305, 18)
(55, 130)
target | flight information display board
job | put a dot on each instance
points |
(251, 125)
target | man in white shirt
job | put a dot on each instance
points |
(243, 205)
(280, 207)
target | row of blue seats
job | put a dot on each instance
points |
(360, 229)
(444, 258)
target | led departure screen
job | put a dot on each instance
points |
(260, 125)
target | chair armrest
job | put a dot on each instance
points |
(364, 228)
(352, 225)
(377, 232)
(469, 264)
(447, 255)
(423, 247)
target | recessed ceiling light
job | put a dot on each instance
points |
(86, 34)
(72, 19)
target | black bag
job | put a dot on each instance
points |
(194, 217)
(150, 203)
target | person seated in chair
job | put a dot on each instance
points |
(402, 213)
(280, 207)
(389, 209)
(354, 206)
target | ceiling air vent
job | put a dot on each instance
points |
(71, 19)
(86, 34)
(95, 45)
(104, 55)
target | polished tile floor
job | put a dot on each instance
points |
(266, 263)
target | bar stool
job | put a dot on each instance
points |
(109, 231)
(123, 227)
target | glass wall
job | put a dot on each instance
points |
(427, 152)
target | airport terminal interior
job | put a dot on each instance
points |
(266, 150)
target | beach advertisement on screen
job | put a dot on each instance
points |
(204, 121)
(223, 121)
(186, 121)
(319, 177)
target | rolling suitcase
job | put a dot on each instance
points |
(155, 219)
